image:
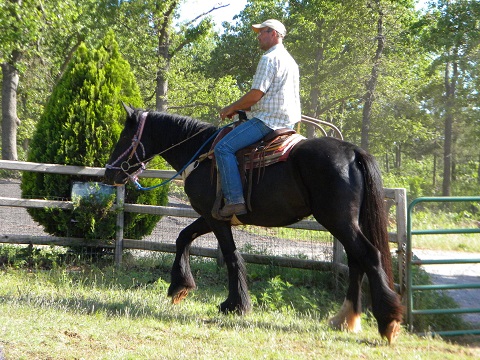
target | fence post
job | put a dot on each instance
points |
(401, 217)
(338, 253)
(119, 231)
(337, 259)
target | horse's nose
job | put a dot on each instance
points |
(110, 177)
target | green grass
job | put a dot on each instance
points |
(435, 219)
(68, 309)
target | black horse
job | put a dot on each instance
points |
(337, 182)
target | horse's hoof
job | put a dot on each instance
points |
(352, 324)
(346, 319)
(393, 331)
(179, 296)
(228, 307)
(178, 293)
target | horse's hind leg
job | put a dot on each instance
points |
(238, 299)
(348, 317)
(386, 306)
(364, 258)
(181, 276)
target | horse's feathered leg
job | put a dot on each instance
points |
(348, 317)
(353, 211)
(238, 299)
(386, 305)
(181, 276)
(365, 258)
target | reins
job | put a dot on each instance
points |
(136, 141)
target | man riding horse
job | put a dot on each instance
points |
(337, 182)
(274, 102)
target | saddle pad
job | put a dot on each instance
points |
(276, 151)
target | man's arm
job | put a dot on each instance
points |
(244, 103)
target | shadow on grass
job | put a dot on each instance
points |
(282, 298)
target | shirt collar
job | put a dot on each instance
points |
(277, 46)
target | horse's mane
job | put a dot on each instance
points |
(187, 125)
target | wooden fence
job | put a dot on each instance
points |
(396, 197)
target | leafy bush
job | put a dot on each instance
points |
(79, 126)
(12, 256)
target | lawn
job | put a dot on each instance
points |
(75, 310)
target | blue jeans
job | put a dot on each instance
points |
(243, 135)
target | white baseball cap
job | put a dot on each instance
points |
(272, 24)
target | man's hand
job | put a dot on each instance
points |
(244, 103)
(228, 111)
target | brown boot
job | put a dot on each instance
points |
(229, 210)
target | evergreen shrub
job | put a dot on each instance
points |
(81, 123)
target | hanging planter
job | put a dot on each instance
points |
(93, 214)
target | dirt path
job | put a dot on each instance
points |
(456, 274)
(17, 221)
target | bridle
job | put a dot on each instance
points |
(136, 142)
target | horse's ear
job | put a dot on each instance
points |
(128, 109)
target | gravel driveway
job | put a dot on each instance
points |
(17, 221)
(456, 274)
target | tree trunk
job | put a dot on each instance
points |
(478, 171)
(315, 91)
(450, 84)
(398, 156)
(369, 96)
(161, 99)
(162, 27)
(10, 120)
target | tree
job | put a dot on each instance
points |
(151, 42)
(369, 96)
(36, 43)
(79, 126)
(328, 40)
(451, 32)
(191, 91)
(21, 22)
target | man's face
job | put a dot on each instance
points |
(266, 38)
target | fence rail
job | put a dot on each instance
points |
(396, 197)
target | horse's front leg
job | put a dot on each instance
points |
(181, 276)
(238, 300)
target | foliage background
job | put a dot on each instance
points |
(424, 124)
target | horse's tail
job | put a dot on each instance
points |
(373, 215)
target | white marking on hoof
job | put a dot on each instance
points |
(346, 319)
(393, 331)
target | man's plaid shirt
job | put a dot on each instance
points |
(277, 76)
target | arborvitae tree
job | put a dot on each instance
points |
(80, 124)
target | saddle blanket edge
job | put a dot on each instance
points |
(272, 155)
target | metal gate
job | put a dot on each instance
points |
(417, 262)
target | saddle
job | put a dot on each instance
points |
(273, 148)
